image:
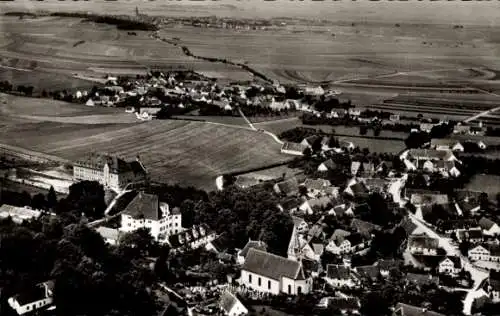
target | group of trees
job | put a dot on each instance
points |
(91, 279)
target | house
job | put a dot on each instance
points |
(473, 235)
(366, 229)
(341, 243)
(90, 102)
(309, 141)
(18, 214)
(423, 245)
(410, 310)
(300, 224)
(485, 252)
(450, 265)
(347, 145)
(493, 286)
(33, 299)
(146, 211)
(192, 238)
(342, 210)
(394, 117)
(287, 187)
(489, 227)
(428, 154)
(421, 279)
(110, 171)
(386, 266)
(421, 199)
(327, 165)
(231, 305)
(347, 305)
(269, 273)
(370, 273)
(357, 189)
(290, 204)
(314, 91)
(316, 187)
(110, 235)
(242, 254)
(299, 248)
(446, 144)
(339, 276)
(309, 206)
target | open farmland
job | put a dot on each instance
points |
(188, 153)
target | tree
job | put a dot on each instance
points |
(363, 130)
(417, 139)
(464, 247)
(373, 304)
(139, 243)
(51, 198)
(38, 202)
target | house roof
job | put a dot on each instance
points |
(144, 206)
(431, 154)
(272, 266)
(330, 164)
(339, 233)
(34, 293)
(369, 271)
(318, 248)
(494, 280)
(189, 235)
(293, 147)
(362, 227)
(321, 201)
(116, 165)
(457, 262)
(387, 264)
(443, 142)
(486, 223)
(354, 239)
(423, 242)
(410, 310)
(494, 250)
(227, 301)
(344, 303)
(429, 199)
(338, 272)
(422, 278)
(257, 244)
(408, 225)
(289, 186)
(317, 184)
(290, 203)
(470, 234)
(108, 233)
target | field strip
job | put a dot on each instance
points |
(15, 68)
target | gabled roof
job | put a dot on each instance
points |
(330, 164)
(423, 242)
(321, 201)
(387, 264)
(339, 233)
(369, 271)
(364, 228)
(457, 262)
(344, 303)
(257, 244)
(470, 234)
(338, 272)
(297, 221)
(430, 154)
(144, 206)
(227, 301)
(410, 310)
(408, 225)
(444, 142)
(429, 199)
(272, 266)
(108, 233)
(486, 223)
(293, 147)
(289, 186)
(421, 279)
(317, 184)
(359, 188)
(291, 203)
(116, 165)
(494, 280)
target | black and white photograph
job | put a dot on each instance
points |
(249, 157)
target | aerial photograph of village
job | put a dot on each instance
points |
(249, 157)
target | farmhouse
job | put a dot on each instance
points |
(446, 144)
(485, 252)
(39, 297)
(428, 154)
(473, 235)
(18, 214)
(266, 272)
(423, 245)
(339, 276)
(288, 187)
(489, 227)
(110, 171)
(299, 248)
(296, 149)
(146, 211)
(451, 265)
(193, 238)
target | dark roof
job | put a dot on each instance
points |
(344, 303)
(494, 280)
(189, 235)
(423, 242)
(256, 244)
(290, 186)
(338, 272)
(330, 164)
(144, 205)
(410, 310)
(272, 266)
(116, 165)
(362, 227)
(291, 203)
(486, 223)
(359, 188)
(317, 184)
(227, 301)
(34, 293)
(470, 234)
(387, 264)
(457, 262)
(371, 272)
(422, 278)
(354, 239)
(293, 147)
(408, 225)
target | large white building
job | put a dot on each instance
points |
(39, 297)
(146, 211)
(269, 273)
(110, 171)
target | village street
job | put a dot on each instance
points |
(478, 275)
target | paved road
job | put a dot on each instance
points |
(478, 275)
(472, 118)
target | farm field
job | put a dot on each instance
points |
(188, 153)
(485, 183)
